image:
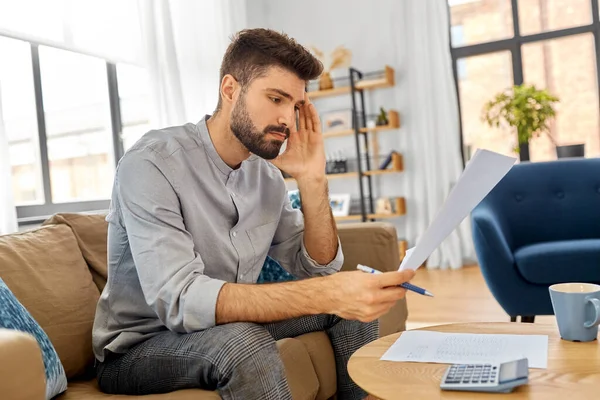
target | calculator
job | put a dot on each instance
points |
(492, 377)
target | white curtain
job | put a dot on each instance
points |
(431, 122)
(8, 214)
(160, 58)
(184, 42)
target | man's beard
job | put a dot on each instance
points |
(254, 140)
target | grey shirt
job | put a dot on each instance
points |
(181, 224)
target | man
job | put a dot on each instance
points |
(196, 209)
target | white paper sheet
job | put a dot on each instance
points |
(465, 348)
(481, 174)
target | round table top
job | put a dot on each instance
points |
(573, 368)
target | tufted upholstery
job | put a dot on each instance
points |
(540, 225)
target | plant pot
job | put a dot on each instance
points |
(524, 151)
(573, 150)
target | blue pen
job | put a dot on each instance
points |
(405, 285)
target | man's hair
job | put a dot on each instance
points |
(253, 51)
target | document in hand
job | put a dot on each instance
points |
(481, 174)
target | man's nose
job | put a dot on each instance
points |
(287, 120)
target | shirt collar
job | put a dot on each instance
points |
(210, 147)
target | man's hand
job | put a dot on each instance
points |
(364, 297)
(304, 156)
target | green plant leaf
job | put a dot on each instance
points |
(526, 109)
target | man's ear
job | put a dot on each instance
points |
(229, 87)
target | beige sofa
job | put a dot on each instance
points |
(58, 271)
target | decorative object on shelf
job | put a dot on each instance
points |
(526, 109)
(337, 120)
(340, 57)
(336, 163)
(382, 118)
(395, 159)
(384, 206)
(388, 160)
(340, 204)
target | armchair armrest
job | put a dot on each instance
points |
(493, 245)
(375, 244)
(21, 367)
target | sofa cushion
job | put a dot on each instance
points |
(91, 233)
(14, 316)
(301, 377)
(46, 272)
(560, 261)
(320, 351)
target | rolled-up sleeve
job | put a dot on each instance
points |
(289, 250)
(170, 271)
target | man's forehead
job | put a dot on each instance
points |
(283, 80)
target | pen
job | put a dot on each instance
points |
(405, 285)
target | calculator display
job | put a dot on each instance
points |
(512, 370)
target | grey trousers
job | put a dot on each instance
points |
(240, 360)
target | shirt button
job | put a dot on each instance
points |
(234, 233)
(241, 276)
(232, 194)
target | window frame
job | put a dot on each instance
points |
(36, 214)
(514, 45)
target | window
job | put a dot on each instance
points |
(555, 48)
(73, 96)
(482, 20)
(78, 125)
(567, 68)
(487, 72)
(20, 121)
(537, 16)
(457, 38)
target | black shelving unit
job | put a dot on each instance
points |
(355, 84)
(356, 75)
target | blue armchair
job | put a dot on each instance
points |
(539, 226)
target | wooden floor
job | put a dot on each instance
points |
(460, 296)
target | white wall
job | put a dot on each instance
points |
(369, 29)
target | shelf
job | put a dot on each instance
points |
(332, 176)
(345, 132)
(366, 173)
(386, 81)
(400, 211)
(394, 123)
(397, 166)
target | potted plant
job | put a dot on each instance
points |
(528, 110)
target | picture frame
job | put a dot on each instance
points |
(340, 204)
(338, 120)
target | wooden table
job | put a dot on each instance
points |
(573, 371)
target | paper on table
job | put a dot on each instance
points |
(468, 348)
(481, 174)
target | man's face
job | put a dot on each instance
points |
(265, 112)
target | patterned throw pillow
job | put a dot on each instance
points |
(272, 271)
(14, 316)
